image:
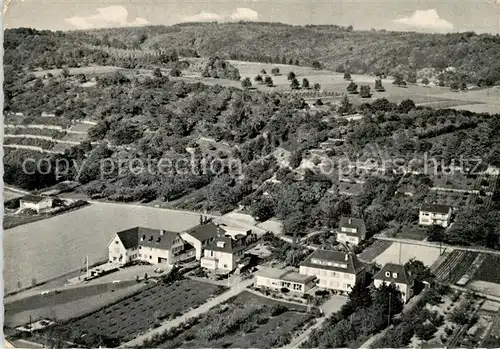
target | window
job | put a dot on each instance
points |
(117, 242)
(150, 257)
(388, 274)
(225, 265)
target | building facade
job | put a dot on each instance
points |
(435, 215)
(37, 203)
(334, 270)
(351, 231)
(278, 279)
(149, 245)
(222, 254)
(397, 275)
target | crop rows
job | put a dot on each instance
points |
(455, 266)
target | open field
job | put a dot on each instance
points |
(90, 71)
(45, 249)
(401, 253)
(489, 270)
(244, 321)
(69, 303)
(137, 314)
(481, 100)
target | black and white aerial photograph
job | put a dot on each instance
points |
(264, 174)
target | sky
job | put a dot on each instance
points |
(481, 16)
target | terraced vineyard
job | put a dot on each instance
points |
(455, 266)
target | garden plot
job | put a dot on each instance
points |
(401, 253)
(146, 310)
(244, 321)
(455, 266)
(487, 278)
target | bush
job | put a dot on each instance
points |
(284, 290)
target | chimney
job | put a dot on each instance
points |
(347, 256)
(350, 220)
(162, 232)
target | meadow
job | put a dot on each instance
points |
(400, 253)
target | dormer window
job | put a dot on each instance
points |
(388, 274)
(394, 275)
(158, 239)
(220, 244)
(143, 238)
(150, 238)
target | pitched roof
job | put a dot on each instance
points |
(353, 223)
(157, 238)
(230, 245)
(443, 209)
(205, 231)
(34, 198)
(402, 276)
(335, 261)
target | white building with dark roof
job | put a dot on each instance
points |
(433, 214)
(351, 231)
(395, 274)
(149, 245)
(276, 279)
(223, 254)
(201, 236)
(35, 202)
(335, 270)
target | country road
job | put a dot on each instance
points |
(233, 291)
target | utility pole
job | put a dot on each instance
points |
(389, 315)
(87, 264)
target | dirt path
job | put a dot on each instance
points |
(233, 291)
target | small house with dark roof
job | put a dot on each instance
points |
(395, 274)
(223, 254)
(351, 230)
(35, 202)
(435, 214)
(149, 245)
(335, 270)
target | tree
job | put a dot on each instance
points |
(65, 72)
(352, 88)
(317, 87)
(316, 65)
(436, 233)
(263, 71)
(294, 84)
(275, 71)
(417, 270)
(157, 73)
(262, 209)
(454, 86)
(412, 77)
(291, 75)
(268, 81)
(295, 158)
(175, 72)
(258, 79)
(246, 83)
(365, 92)
(305, 83)
(347, 75)
(378, 86)
(398, 80)
(345, 106)
(406, 105)
(425, 81)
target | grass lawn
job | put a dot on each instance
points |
(141, 312)
(246, 321)
(413, 231)
(489, 271)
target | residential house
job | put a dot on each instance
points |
(149, 245)
(201, 236)
(276, 279)
(351, 230)
(335, 270)
(223, 254)
(433, 214)
(245, 235)
(398, 275)
(35, 202)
